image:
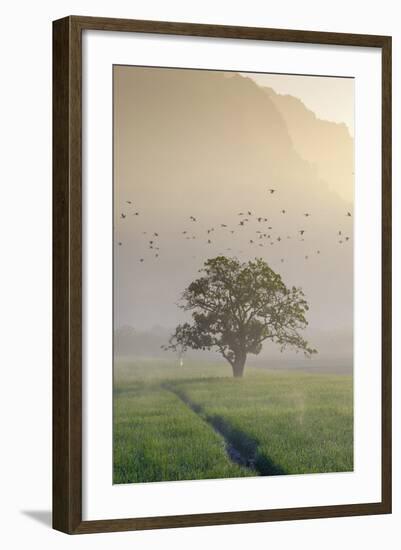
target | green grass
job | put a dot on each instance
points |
(166, 417)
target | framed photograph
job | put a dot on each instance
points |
(222, 274)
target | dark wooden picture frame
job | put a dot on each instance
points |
(67, 274)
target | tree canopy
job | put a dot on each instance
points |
(236, 307)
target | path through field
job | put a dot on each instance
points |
(197, 422)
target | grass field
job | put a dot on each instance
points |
(197, 422)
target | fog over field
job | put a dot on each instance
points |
(211, 163)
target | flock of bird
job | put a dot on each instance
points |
(263, 235)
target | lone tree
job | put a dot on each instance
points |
(236, 307)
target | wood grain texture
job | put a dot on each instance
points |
(67, 277)
(228, 518)
(67, 273)
(226, 31)
(386, 274)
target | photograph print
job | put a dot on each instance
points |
(233, 200)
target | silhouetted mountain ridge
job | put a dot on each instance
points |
(327, 145)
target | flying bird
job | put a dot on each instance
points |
(123, 216)
(306, 214)
(272, 191)
(136, 214)
(141, 260)
(283, 211)
(120, 243)
(302, 231)
(349, 214)
(129, 202)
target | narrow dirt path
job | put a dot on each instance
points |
(233, 453)
(247, 459)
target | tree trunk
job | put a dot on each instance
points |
(238, 365)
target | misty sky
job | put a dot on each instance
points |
(331, 99)
(195, 156)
